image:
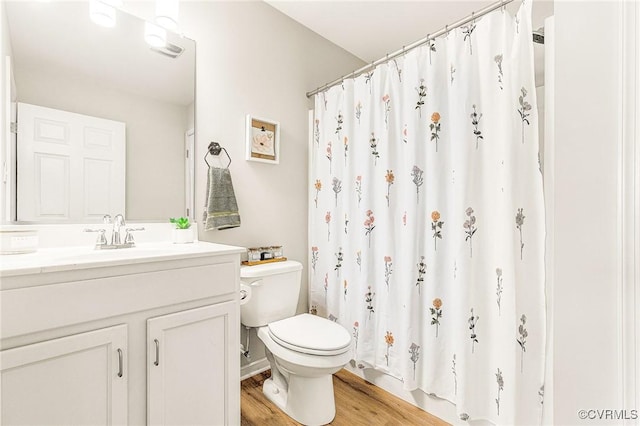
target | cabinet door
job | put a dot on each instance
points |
(193, 367)
(74, 380)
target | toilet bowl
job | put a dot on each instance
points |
(302, 366)
(303, 350)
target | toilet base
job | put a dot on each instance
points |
(309, 400)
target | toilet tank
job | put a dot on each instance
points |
(275, 288)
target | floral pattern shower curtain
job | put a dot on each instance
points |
(427, 219)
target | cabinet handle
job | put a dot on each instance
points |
(120, 366)
(157, 361)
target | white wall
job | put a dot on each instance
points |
(585, 361)
(155, 135)
(548, 177)
(587, 289)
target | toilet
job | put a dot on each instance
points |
(303, 350)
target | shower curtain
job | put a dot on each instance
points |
(427, 219)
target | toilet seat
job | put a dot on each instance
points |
(310, 334)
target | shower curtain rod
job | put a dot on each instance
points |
(405, 49)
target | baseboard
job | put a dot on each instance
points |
(440, 408)
(254, 368)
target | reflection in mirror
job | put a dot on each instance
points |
(65, 63)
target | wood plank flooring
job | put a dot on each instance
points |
(358, 403)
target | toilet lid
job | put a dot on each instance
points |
(310, 334)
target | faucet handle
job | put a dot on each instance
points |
(102, 239)
(128, 238)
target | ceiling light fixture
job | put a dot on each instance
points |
(167, 14)
(154, 35)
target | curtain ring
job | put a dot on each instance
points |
(473, 20)
(503, 5)
(446, 31)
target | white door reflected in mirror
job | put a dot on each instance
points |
(71, 167)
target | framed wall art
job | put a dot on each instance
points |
(263, 140)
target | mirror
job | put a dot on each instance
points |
(62, 60)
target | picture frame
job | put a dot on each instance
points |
(263, 140)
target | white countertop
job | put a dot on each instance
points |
(73, 258)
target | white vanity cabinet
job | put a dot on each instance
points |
(75, 380)
(190, 366)
(144, 337)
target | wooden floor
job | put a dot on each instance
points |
(358, 402)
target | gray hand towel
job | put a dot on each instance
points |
(221, 210)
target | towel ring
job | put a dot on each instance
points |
(215, 149)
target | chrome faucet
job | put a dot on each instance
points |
(116, 239)
(118, 222)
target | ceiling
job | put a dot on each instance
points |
(372, 29)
